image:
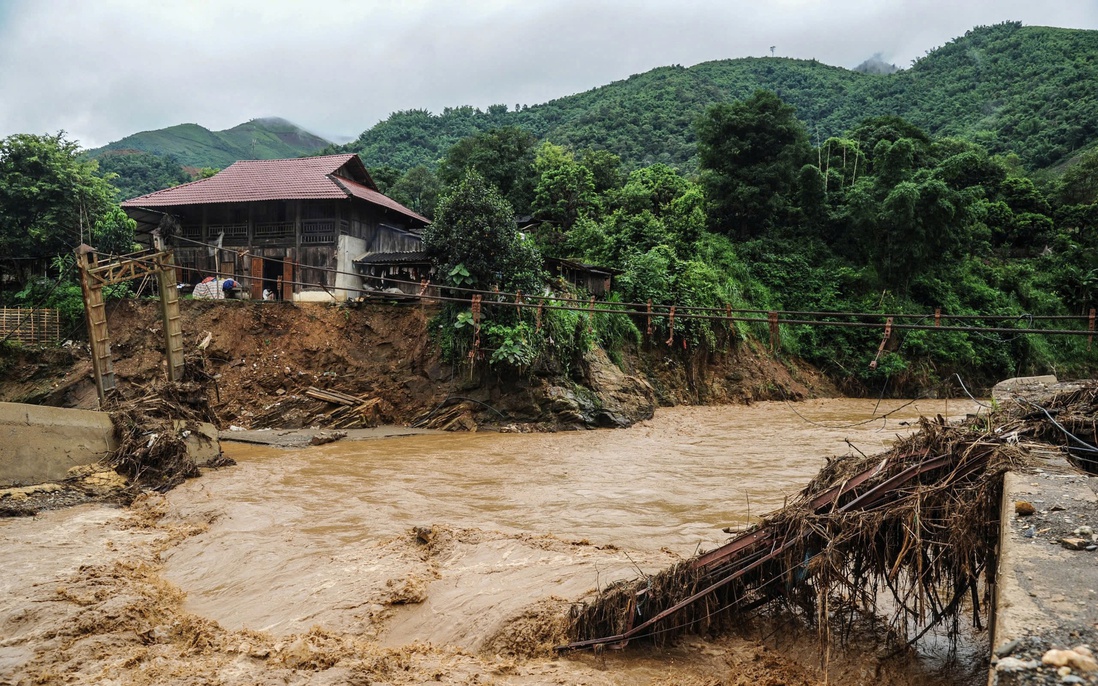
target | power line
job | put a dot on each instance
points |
(685, 311)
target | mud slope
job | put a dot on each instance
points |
(264, 356)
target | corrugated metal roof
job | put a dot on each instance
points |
(305, 178)
(410, 257)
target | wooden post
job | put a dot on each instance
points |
(288, 278)
(95, 313)
(169, 312)
(1090, 326)
(256, 271)
(775, 336)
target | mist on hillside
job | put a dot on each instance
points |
(876, 65)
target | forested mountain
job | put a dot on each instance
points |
(137, 173)
(1028, 90)
(764, 184)
(194, 146)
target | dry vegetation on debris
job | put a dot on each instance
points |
(152, 426)
(907, 539)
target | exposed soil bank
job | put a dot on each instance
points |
(264, 357)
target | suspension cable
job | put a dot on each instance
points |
(682, 312)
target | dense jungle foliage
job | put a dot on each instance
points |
(52, 199)
(882, 218)
(1028, 90)
(138, 173)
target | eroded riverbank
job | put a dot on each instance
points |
(402, 560)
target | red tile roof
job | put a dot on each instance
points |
(370, 195)
(305, 178)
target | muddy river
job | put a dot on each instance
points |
(444, 557)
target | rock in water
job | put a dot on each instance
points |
(323, 437)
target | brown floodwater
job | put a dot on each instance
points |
(444, 539)
(293, 522)
(673, 481)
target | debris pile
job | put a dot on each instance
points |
(908, 537)
(353, 412)
(152, 429)
(1069, 420)
(326, 408)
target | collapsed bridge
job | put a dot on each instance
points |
(910, 537)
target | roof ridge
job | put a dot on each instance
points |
(344, 155)
(331, 176)
(165, 190)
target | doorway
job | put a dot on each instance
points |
(273, 277)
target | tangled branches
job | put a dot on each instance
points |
(909, 536)
(152, 429)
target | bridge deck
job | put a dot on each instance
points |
(1047, 595)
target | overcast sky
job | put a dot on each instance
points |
(103, 69)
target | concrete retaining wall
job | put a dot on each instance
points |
(39, 443)
(1045, 589)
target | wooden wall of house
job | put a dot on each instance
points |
(308, 223)
(313, 262)
(384, 238)
(307, 266)
(303, 236)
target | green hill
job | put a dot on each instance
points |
(195, 146)
(1028, 90)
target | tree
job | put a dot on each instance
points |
(656, 207)
(384, 177)
(565, 188)
(138, 173)
(923, 226)
(605, 169)
(474, 229)
(750, 153)
(418, 189)
(52, 198)
(889, 128)
(504, 157)
(893, 163)
(1079, 184)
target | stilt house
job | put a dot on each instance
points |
(294, 227)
